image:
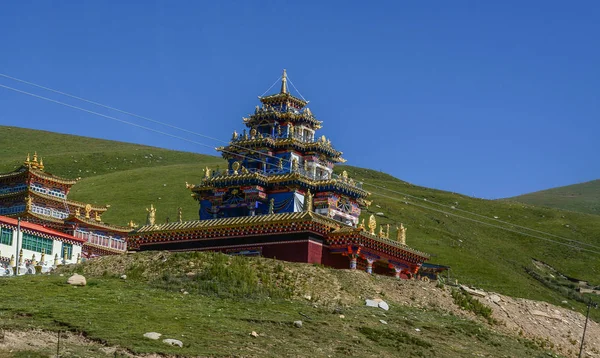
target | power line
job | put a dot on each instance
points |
(483, 216)
(258, 160)
(488, 224)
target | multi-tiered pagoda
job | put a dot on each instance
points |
(39, 197)
(279, 164)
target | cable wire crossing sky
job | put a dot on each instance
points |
(485, 99)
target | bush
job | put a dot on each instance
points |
(469, 303)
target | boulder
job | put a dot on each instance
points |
(254, 334)
(123, 277)
(173, 342)
(152, 335)
(383, 305)
(298, 324)
(495, 298)
(371, 303)
(76, 280)
(382, 321)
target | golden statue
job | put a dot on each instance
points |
(308, 201)
(151, 219)
(235, 166)
(272, 206)
(372, 224)
(294, 165)
(88, 210)
(132, 225)
(207, 173)
(244, 170)
(28, 202)
(305, 166)
(234, 136)
(345, 176)
(77, 212)
(387, 232)
(97, 217)
(362, 224)
(401, 234)
(381, 233)
(180, 214)
(290, 130)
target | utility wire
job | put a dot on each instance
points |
(258, 160)
(488, 224)
(482, 216)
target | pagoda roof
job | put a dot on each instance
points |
(289, 116)
(96, 224)
(284, 96)
(287, 178)
(351, 232)
(40, 229)
(51, 177)
(239, 221)
(283, 143)
(53, 198)
(25, 213)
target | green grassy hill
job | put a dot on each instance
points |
(583, 197)
(130, 177)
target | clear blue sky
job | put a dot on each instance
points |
(486, 98)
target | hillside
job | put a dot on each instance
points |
(212, 303)
(583, 197)
(131, 177)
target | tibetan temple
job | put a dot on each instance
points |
(39, 197)
(280, 198)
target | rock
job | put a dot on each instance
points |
(417, 330)
(383, 305)
(473, 292)
(495, 298)
(382, 321)
(564, 302)
(254, 334)
(380, 214)
(76, 280)
(298, 324)
(342, 316)
(61, 275)
(371, 303)
(307, 297)
(173, 342)
(186, 293)
(123, 277)
(152, 335)
(190, 274)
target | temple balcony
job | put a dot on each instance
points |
(13, 189)
(49, 212)
(109, 242)
(52, 192)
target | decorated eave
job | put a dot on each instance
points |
(50, 177)
(323, 147)
(270, 114)
(283, 98)
(68, 202)
(95, 224)
(359, 236)
(29, 213)
(295, 178)
(39, 230)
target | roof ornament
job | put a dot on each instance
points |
(41, 166)
(308, 201)
(372, 224)
(28, 202)
(88, 210)
(271, 206)
(151, 218)
(401, 234)
(27, 161)
(180, 214)
(284, 82)
(35, 157)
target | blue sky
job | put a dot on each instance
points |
(489, 99)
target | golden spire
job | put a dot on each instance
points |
(41, 164)
(28, 160)
(284, 82)
(35, 157)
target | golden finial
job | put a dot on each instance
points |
(35, 157)
(151, 219)
(28, 160)
(284, 82)
(88, 210)
(41, 164)
(372, 224)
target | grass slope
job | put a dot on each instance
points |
(483, 256)
(583, 197)
(233, 297)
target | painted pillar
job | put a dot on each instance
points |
(370, 266)
(353, 262)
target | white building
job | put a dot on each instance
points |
(34, 240)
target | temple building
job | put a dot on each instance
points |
(39, 197)
(279, 197)
(26, 245)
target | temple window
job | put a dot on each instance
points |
(37, 244)
(6, 236)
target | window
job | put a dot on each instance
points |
(36, 243)
(6, 236)
(69, 248)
